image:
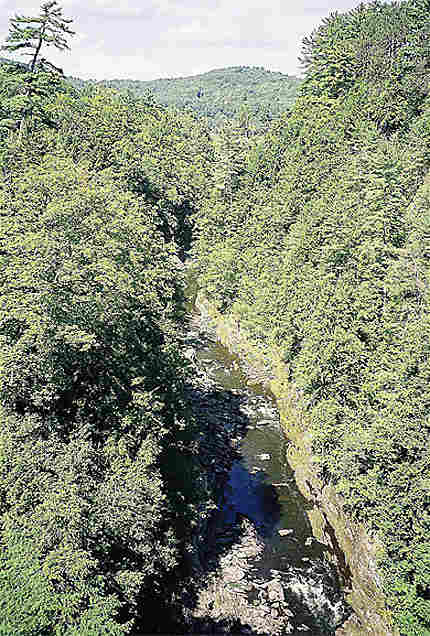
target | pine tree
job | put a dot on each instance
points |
(49, 28)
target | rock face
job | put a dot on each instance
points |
(351, 547)
(276, 591)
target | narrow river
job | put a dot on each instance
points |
(271, 575)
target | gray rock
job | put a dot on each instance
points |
(233, 574)
(276, 591)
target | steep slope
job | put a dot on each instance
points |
(315, 239)
(99, 481)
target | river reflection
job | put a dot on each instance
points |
(261, 485)
(249, 495)
(261, 489)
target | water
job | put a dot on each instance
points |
(261, 488)
(261, 484)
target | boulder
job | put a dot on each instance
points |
(276, 591)
(233, 574)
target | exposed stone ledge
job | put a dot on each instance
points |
(349, 543)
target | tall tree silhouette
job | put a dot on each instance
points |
(49, 28)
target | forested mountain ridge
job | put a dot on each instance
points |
(219, 95)
(253, 94)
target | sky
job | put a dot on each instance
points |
(149, 39)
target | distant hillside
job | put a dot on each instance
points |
(219, 94)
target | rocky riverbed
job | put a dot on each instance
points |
(256, 568)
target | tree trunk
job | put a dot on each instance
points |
(22, 129)
(37, 51)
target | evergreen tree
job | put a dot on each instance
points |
(49, 28)
(26, 101)
(321, 254)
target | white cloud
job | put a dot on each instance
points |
(167, 38)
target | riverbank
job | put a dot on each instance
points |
(350, 546)
(248, 577)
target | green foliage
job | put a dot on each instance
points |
(90, 365)
(25, 91)
(315, 234)
(98, 479)
(220, 95)
(33, 603)
(321, 251)
(378, 53)
(165, 160)
(27, 97)
(71, 290)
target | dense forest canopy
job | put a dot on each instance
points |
(221, 95)
(314, 234)
(98, 479)
(251, 96)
